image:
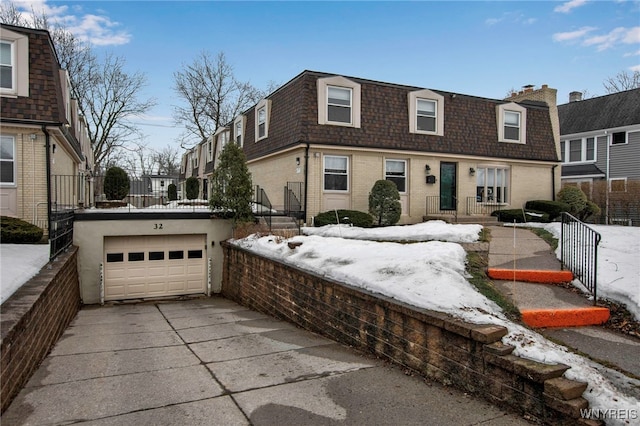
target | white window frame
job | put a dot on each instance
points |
(323, 85)
(19, 63)
(263, 105)
(611, 180)
(565, 147)
(426, 95)
(11, 64)
(348, 106)
(11, 139)
(388, 176)
(209, 150)
(324, 173)
(512, 107)
(491, 193)
(626, 139)
(239, 122)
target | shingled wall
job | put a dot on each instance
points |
(468, 356)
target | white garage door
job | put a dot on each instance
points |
(152, 266)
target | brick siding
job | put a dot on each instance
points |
(468, 356)
(34, 318)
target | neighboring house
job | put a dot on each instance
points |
(200, 161)
(46, 158)
(600, 146)
(324, 140)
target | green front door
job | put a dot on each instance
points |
(448, 186)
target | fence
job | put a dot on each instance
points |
(293, 196)
(433, 207)
(579, 251)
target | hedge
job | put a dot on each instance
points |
(17, 231)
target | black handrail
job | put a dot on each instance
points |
(579, 252)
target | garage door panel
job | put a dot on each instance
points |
(151, 266)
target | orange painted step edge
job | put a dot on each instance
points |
(531, 275)
(565, 317)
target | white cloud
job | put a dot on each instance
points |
(636, 53)
(512, 17)
(573, 35)
(99, 29)
(606, 41)
(569, 6)
(635, 68)
(632, 36)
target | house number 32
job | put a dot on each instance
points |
(157, 226)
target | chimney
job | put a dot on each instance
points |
(528, 88)
(575, 96)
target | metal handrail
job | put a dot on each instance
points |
(579, 252)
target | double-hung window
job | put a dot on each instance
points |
(426, 115)
(492, 184)
(7, 74)
(396, 172)
(262, 113)
(578, 150)
(426, 112)
(209, 150)
(339, 102)
(512, 123)
(7, 160)
(336, 173)
(238, 132)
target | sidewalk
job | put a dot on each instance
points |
(213, 362)
(555, 311)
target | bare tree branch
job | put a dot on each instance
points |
(624, 80)
(212, 94)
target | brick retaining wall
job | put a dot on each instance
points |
(34, 318)
(468, 356)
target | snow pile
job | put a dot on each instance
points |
(431, 275)
(20, 263)
(434, 230)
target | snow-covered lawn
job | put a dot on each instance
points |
(431, 275)
(18, 264)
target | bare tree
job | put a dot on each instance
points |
(107, 95)
(212, 94)
(624, 80)
(168, 161)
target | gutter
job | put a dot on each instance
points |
(47, 145)
(553, 182)
(306, 180)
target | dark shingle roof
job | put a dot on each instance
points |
(581, 170)
(604, 112)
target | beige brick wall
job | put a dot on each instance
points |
(526, 181)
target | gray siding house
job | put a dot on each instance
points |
(600, 148)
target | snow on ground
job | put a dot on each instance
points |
(431, 275)
(618, 276)
(18, 264)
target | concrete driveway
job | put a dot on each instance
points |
(212, 362)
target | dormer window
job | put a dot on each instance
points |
(238, 130)
(14, 63)
(426, 112)
(338, 102)
(7, 76)
(512, 123)
(263, 110)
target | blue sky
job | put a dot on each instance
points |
(471, 47)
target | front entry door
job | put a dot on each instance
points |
(448, 187)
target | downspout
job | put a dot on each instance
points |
(553, 182)
(47, 143)
(306, 180)
(607, 188)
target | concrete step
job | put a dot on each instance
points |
(531, 275)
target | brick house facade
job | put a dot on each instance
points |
(43, 137)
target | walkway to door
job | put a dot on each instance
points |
(210, 361)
